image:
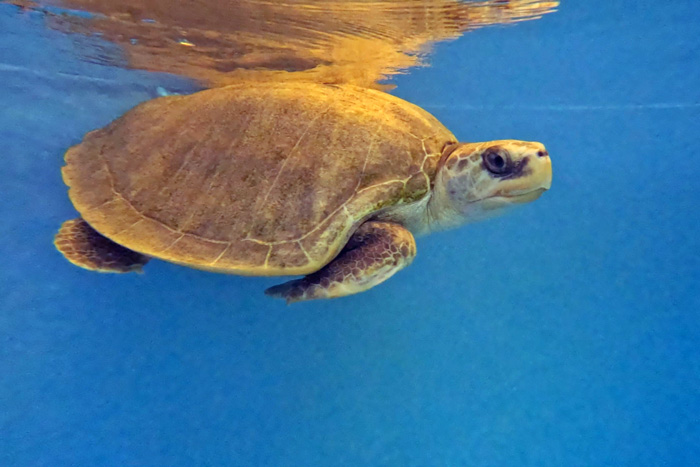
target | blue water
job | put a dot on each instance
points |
(564, 333)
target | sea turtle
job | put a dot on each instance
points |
(327, 181)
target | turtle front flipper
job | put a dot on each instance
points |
(85, 247)
(373, 254)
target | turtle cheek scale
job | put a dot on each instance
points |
(469, 183)
(458, 197)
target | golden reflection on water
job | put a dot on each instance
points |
(332, 41)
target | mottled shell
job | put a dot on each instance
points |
(253, 179)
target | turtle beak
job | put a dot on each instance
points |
(545, 170)
(541, 166)
(537, 182)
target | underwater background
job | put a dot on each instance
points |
(566, 332)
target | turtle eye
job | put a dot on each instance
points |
(495, 161)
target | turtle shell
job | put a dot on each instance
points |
(251, 178)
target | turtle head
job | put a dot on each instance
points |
(476, 180)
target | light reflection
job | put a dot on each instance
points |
(331, 41)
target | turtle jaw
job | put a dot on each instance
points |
(537, 182)
(523, 198)
(523, 190)
(527, 186)
(495, 205)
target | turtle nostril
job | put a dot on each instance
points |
(542, 154)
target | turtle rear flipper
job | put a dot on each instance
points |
(85, 247)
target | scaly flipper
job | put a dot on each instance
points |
(373, 254)
(85, 247)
